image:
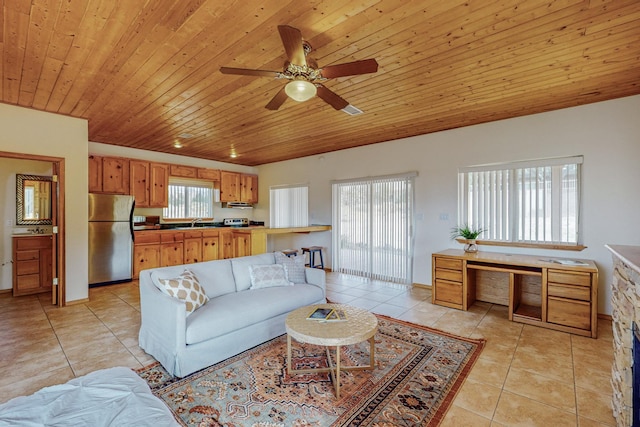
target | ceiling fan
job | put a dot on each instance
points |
(304, 74)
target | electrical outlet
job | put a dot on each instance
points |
(444, 217)
(9, 223)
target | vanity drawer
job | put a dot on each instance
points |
(31, 266)
(569, 277)
(582, 293)
(448, 263)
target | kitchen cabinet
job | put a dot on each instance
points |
(229, 186)
(33, 264)
(209, 174)
(192, 247)
(553, 293)
(184, 171)
(210, 245)
(149, 183)
(171, 249)
(249, 188)
(108, 175)
(146, 252)
(226, 243)
(241, 244)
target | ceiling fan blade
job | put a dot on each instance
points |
(248, 72)
(331, 97)
(292, 41)
(350, 68)
(277, 100)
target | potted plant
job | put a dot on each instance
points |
(467, 235)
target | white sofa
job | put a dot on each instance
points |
(234, 319)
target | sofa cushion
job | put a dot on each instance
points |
(268, 275)
(216, 277)
(293, 266)
(185, 288)
(238, 310)
(240, 267)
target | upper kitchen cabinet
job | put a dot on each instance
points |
(229, 186)
(238, 187)
(184, 171)
(108, 175)
(249, 188)
(149, 183)
(194, 172)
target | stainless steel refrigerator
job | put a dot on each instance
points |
(110, 238)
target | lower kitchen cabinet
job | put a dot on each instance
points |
(146, 252)
(171, 249)
(33, 264)
(210, 245)
(192, 247)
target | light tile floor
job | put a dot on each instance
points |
(525, 376)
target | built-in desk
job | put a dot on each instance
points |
(555, 293)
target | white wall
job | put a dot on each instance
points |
(606, 133)
(8, 170)
(32, 132)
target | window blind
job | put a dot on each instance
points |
(189, 199)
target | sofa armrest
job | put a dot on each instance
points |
(317, 277)
(162, 316)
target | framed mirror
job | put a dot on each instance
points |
(33, 200)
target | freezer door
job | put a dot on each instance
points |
(110, 252)
(110, 207)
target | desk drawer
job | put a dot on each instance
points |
(575, 314)
(582, 293)
(448, 263)
(569, 277)
(450, 292)
(454, 276)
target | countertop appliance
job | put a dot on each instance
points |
(110, 238)
(235, 222)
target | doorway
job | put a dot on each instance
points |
(57, 218)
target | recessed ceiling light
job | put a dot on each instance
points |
(177, 144)
(233, 155)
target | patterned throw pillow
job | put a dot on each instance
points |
(268, 275)
(294, 267)
(185, 288)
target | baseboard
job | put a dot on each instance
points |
(77, 301)
(422, 285)
(605, 316)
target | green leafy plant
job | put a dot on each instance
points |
(466, 232)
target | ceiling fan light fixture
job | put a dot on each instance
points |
(300, 90)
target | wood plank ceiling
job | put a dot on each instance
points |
(144, 72)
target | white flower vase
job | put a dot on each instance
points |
(471, 246)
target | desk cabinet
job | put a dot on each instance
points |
(542, 292)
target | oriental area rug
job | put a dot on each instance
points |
(418, 372)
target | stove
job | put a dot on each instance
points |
(235, 222)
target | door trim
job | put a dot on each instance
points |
(58, 247)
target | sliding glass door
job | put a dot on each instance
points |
(373, 227)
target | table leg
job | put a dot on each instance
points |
(338, 372)
(372, 356)
(289, 354)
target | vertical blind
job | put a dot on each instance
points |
(373, 227)
(289, 206)
(189, 199)
(532, 202)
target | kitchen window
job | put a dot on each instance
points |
(189, 199)
(373, 227)
(289, 205)
(529, 202)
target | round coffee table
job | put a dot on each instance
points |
(360, 325)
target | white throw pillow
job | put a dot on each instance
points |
(293, 267)
(185, 288)
(268, 275)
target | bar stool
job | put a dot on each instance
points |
(290, 252)
(312, 251)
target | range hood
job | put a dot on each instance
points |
(237, 205)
